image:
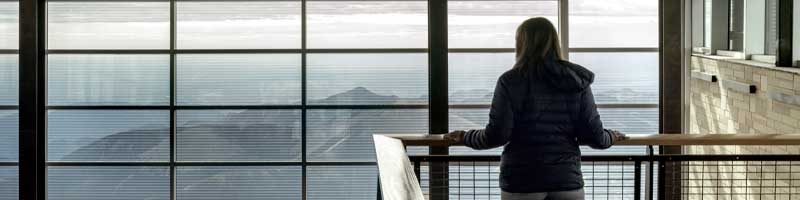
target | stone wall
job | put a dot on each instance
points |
(718, 110)
(715, 109)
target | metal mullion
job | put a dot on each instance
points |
(108, 164)
(785, 33)
(233, 107)
(371, 51)
(563, 27)
(303, 99)
(233, 51)
(323, 163)
(437, 91)
(108, 107)
(108, 51)
(199, 164)
(367, 107)
(572, 50)
(172, 98)
(32, 99)
(105, 0)
(9, 164)
(238, 51)
(481, 50)
(236, 164)
(612, 50)
(240, 0)
(486, 106)
(222, 107)
(9, 51)
(9, 107)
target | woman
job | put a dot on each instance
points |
(542, 110)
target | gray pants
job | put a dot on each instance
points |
(564, 195)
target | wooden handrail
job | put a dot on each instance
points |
(644, 140)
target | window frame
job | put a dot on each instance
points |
(33, 105)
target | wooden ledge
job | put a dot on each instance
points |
(644, 140)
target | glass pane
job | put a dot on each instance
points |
(374, 79)
(626, 120)
(239, 183)
(473, 76)
(9, 25)
(493, 24)
(238, 135)
(238, 79)
(622, 77)
(629, 121)
(367, 24)
(108, 135)
(9, 135)
(108, 79)
(108, 25)
(771, 28)
(238, 25)
(613, 23)
(346, 135)
(102, 183)
(342, 182)
(9, 183)
(468, 119)
(9, 79)
(736, 25)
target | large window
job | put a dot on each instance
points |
(9, 100)
(229, 99)
(263, 99)
(617, 39)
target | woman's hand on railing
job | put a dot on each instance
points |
(618, 136)
(456, 137)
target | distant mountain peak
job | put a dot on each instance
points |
(361, 93)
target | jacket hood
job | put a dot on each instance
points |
(565, 76)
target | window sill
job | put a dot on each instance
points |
(750, 63)
(770, 59)
(732, 54)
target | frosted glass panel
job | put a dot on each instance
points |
(9, 25)
(238, 79)
(9, 135)
(622, 77)
(108, 25)
(613, 23)
(342, 182)
(473, 76)
(367, 24)
(108, 135)
(238, 25)
(619, 77)
(493, 24)
(346, 135)
(103, 183)
(9, 183)
(239, 135)
(239, 183)
(9, 78)
(108, 79)
(373, 79)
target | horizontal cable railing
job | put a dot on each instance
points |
(644, 140)
(627, 176)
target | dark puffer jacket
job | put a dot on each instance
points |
(542, 114)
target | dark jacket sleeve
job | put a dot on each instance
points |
(501, 122)
(589, 128)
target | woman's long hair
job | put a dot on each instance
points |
(537, 42)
